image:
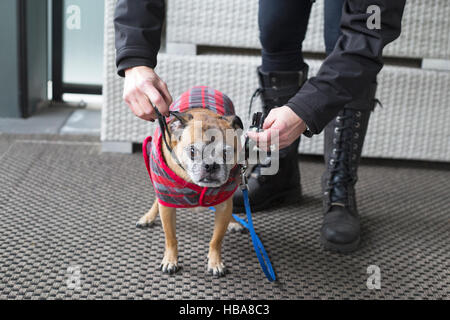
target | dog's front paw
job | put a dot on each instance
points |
(169, 267)
(217, 269)
(235, 227)
(144, 222)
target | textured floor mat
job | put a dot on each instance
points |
(65, 207)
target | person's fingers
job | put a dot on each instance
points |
(133, 104)
(148, 118)
(165, 92)
(145, 105)
(263, 139)
(129, 96)
(267, 139)
(155, 98)
(270, 119)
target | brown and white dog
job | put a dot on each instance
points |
(197, 168)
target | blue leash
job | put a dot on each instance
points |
(264, 261)
(261, 253)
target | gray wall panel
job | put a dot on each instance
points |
(9, 77)
(37, 52)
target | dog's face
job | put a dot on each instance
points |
(206, 145)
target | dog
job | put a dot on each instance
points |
(195, 165)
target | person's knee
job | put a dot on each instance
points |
(278, 34)
(331, 37)
(283, 24)
(276, 38)
(271, 40)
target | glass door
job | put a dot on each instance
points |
(83, 41)
(77, 46)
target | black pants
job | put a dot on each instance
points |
(283, 25)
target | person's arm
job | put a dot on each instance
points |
(349, 70)
(138, 26)
(344, 76)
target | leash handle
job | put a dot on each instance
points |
(165, 131)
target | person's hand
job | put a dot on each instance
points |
(280, 121)
(143, 89)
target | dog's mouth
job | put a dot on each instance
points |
(209, 180)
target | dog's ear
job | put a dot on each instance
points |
(178, 123)
(235, 122)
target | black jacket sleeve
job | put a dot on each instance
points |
(138, 26)
(349, 70)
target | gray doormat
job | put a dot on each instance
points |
(65, 207)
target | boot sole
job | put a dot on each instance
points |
(284, 198)
(344, 248)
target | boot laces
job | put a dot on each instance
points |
(340, 162)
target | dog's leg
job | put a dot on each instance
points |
(221, 221)
(147, 219)
(169, 263)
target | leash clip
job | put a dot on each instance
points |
(244, 179)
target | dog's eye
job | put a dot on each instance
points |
(192, 153)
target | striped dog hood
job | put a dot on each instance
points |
(171, 190)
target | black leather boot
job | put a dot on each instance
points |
(344, 138)
(265, 191)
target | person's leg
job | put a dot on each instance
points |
(283, 25)
(332, 22)
(344, 139)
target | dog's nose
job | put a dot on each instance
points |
(211, 167)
